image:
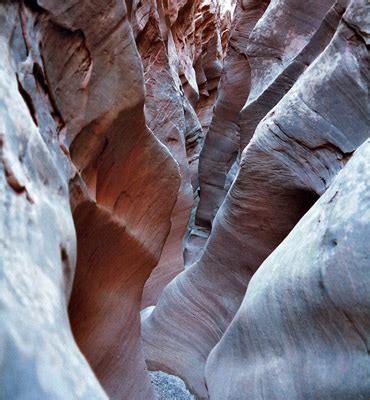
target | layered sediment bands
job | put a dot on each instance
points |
(198, 33)
(256, 260)
(279, 36)
(296, 151)
(222, 141)
(302, 329)
(39, 358)
(135, 190)
(255, 110)
(165, 115)
(268, 54)
(212, 28)
(177, 46)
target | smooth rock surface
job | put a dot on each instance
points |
(303, 327)
(181, 47)
(184, 187)
(80, 78)
(39, 358)
(222, 142)
(295, 152)
(112, 93)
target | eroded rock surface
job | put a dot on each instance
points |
(139, 138)
(222, 142)
(123, 187)
(121, 163)
(295, 152)
(39, 358)
(182, 47)
(302, 329)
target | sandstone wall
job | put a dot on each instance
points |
(306, 113)
(203, 164)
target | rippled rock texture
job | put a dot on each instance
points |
(303, 327)
(182, 47)
(305, 115)
(202, 163)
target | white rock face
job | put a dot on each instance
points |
(39, 358)
(302, 331)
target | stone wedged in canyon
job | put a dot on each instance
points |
(296, 151)
(302, 329)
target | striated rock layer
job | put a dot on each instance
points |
(191, 162)
(296, 150)
(120, 200)
(165, 114)
(302, 329)
(222, 142)
(181, 47)
(39, 358)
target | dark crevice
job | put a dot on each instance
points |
(13, 181)
(34, 6)
(39, 76)
(42, 79)
(28, 100)
(301, 200)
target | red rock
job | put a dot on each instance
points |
(125, 185)
(139, 138)
(176, 45)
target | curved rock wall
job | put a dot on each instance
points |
(222, 141)
(123, 186)
(296, 150)
(38, 240)
(165, 115)
(182, 47)
(111, 87)
(202, 165)
(301, 331)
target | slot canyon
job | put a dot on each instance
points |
(185, 200)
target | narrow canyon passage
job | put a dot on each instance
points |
(185, 190)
